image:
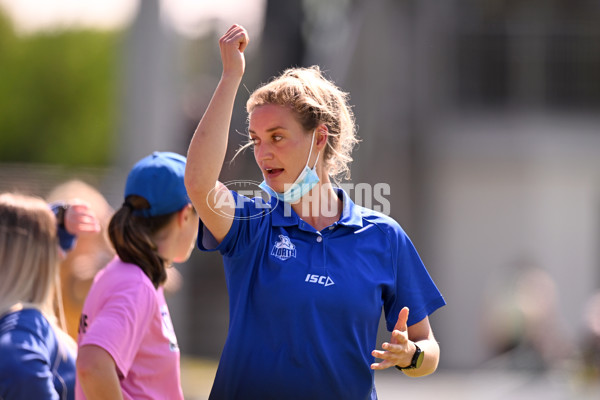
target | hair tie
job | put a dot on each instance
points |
(128, 205)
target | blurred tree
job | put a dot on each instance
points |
(282, 44)
(57, 96)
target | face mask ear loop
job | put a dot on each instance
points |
(316, 161)
(311, 146)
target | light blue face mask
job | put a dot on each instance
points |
(305, 182)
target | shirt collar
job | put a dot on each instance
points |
(284, 215)
(351, 215)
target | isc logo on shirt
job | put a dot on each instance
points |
(319, 279)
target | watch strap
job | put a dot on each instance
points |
(416, 361)
(61, 211)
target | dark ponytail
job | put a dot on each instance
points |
(131, 237)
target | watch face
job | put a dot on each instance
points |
(420, 358)
(417, 359)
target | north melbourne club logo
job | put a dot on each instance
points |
(284, 248)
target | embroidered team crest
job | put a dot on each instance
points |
(284, 248)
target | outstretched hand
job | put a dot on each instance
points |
(232, 45)
(400, 350)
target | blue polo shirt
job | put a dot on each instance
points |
(31, 364)
(305, 304)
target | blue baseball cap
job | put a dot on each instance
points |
(159, 179)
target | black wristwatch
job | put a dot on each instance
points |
(417, 359)
(60, 215)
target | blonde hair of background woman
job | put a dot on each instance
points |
(29, 259)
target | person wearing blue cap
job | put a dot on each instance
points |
(308, 271)
(127, 345)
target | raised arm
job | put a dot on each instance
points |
(206, 153)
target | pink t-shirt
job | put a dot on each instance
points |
(127, 317)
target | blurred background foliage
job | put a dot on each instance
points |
(57, 95)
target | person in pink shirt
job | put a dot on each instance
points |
(127, 345)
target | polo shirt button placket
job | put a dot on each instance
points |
(319, 239)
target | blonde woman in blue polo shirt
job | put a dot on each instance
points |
(308, 271)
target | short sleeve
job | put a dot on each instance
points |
(121, 323)
(413, 286)
(25, 370)
(251, 215)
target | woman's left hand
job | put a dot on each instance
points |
(400, 350)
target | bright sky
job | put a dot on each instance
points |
(185, 16)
